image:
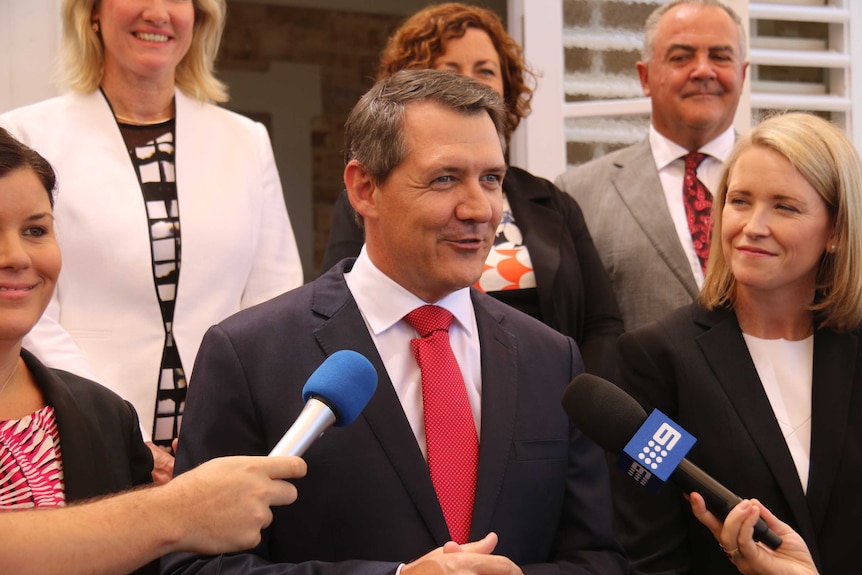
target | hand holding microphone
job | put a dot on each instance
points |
(735, 536)
(335, 394)
(612, 418)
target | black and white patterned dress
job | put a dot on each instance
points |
(151, 149)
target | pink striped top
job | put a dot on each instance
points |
(31, 467)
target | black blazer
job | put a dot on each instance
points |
(695, 367)
(100, 438)
(575, 295)
(367, 503)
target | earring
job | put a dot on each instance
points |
(833, 248)
(95, 26)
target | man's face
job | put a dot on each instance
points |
(430, 225)
(695, 75)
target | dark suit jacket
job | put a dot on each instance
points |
(368, 503)
(100, 438)
(625, 209)
(695, 367)
(575, 295)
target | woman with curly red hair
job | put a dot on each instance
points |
(543, 262)
(422, 40)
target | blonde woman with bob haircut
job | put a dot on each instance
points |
(171, 215)
(823, 155)
(765, 370)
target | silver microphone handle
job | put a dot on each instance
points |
(313, 420)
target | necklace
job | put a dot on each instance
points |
(167, 113)
(131, 122)
(11, 375)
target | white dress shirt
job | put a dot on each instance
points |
(383, 304)
(786, 370)
(669, 161)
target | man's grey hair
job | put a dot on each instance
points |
(653, 20)
(374, 132)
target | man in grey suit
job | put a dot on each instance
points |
(425, 151)
(693, 70)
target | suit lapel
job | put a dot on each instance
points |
(344, 328)
(637, 183)
(86, 473)
(835, 357)
(725, 350)
(499, 396)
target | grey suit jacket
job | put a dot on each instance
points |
(368, 502)
(625, 209)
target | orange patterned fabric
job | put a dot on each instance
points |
(508, 265)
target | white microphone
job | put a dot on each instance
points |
(335, 394)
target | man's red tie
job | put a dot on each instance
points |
(698, 207)
(450, 433)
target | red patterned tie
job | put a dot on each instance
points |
(450, 433)
(698, 207)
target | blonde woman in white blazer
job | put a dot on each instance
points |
(148, 63)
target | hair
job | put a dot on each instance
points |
(82, 58)
(422, 39)
(374, 132)
(826, 158)
(16, 156)
(653, 20)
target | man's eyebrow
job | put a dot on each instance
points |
(690, 48)
(684, 47)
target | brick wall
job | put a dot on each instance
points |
(345, 45)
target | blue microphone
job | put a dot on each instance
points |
(335, 394)
(616, 422)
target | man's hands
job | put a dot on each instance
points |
(163, 463)
(473, 558)
(222, 505)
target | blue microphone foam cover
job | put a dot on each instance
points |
(345, 382)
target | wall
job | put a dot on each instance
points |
(29, 37)
(342, 50)
(602, 43)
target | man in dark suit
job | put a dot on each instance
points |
(425, 153)
(693, 70)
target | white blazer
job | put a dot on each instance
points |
(238, 248)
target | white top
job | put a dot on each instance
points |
(669, 161)
(786, 370)
(383, 304)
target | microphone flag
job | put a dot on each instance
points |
(655, 451)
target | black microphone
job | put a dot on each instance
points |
(611, 418)
(335, 394)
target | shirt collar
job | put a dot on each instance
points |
(384, 302)
(666, 151)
